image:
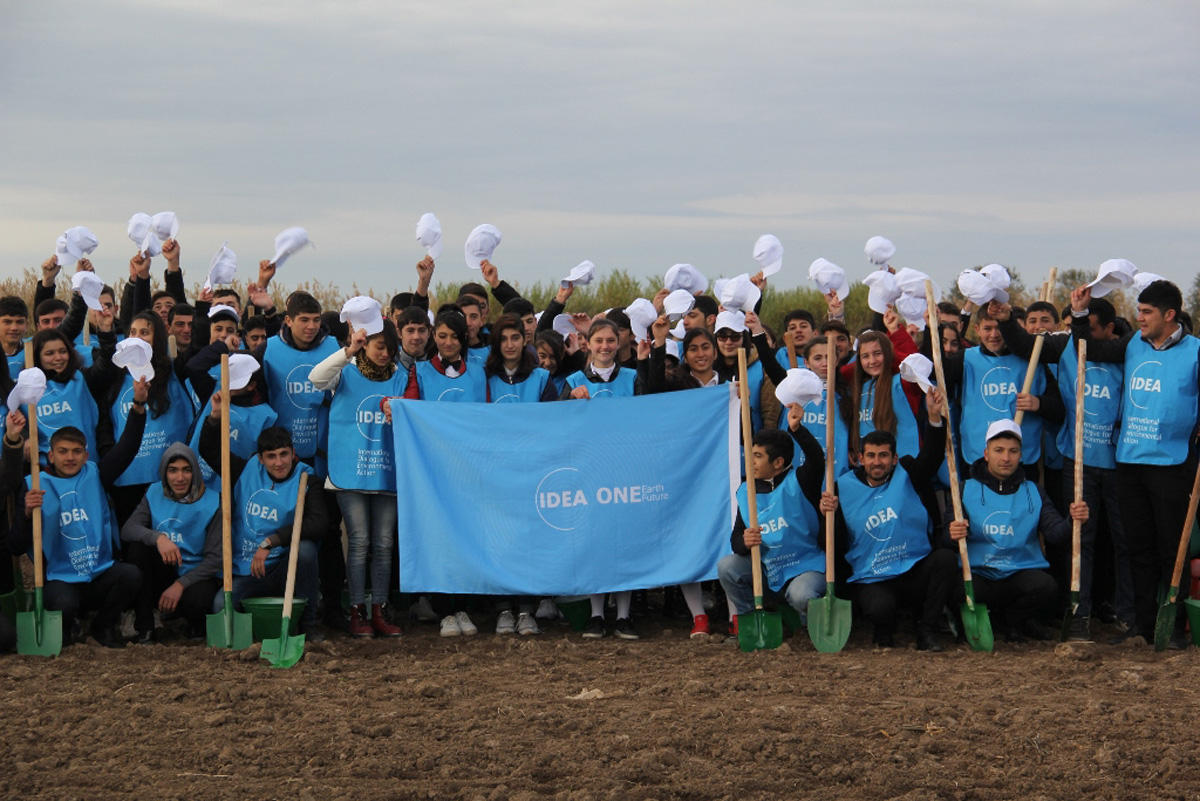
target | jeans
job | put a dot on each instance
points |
(274, 583)
(370, 525)
(736, 577)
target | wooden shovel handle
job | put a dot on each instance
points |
(1186, 535)
(791, 349)
(172, 347)
(830, 375)
(35, 480)
(748, 451)
(1080, 391)
(226, 483)
(1030, 371)
(294, 548)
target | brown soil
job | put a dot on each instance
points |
(559, 717)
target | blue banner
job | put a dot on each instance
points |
(565, 498)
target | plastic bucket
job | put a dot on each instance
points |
(1193, 612)
(577, 609)
(267, 613)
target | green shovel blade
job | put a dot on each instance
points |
(829, 621)
(39, 633)
(229, 629)
(1164, 624)
(977, 624)
(286, 649)
(759, 630)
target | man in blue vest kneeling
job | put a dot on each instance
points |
(264, 506)
(1004, 514)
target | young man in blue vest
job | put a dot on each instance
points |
(885, 526)
(1156, 445)
(1102, 408)
(788, 528)
(264, 505)
(1004, 512)
(14, 320)
(79, 532)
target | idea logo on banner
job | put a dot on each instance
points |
(565, 495)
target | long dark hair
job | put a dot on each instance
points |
(495, 361)
(160, 398)
(49, 335)
(883, 416)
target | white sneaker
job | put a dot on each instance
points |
(547, 610)
(422, 610)
(526, 624)
(450, 626)
(504, 623)
(465, 626)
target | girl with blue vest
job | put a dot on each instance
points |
(1004, 512)
(877, 394)
(552, 357)
(177, 527)
(71, 390)
(362, 464)
(732, 335)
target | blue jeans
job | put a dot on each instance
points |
(736, 578)
(370, 525)
(274, 583)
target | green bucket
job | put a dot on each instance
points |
(577, 609)
(1193, 612)
(267, 613)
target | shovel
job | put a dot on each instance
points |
(758, 630)
(977, 624)
(829, 617)
(1076, 525)
(1165, 623)
(39, 633)
(227, 628)
(286, 650)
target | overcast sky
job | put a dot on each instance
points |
(634, 134)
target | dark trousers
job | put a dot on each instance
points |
(194, 603)
(330, 559)
(1016, 598)
(925, 587)
(8, 635)
(1153, 501)
(109, 593)
(1100, 490)
(125, 501)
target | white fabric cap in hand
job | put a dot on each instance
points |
(768, 252)
(581, 274)
(915, 369)
(429, 234)
(563, 325)
(287, 242)
(641, 314)
(136, 356)
(30, 386)
(686, 277)
(165, 225)
(879, 250)
(678, 303)
(1142, 280)
(740, 293)
(363, 312)
(481, 244)
(672, 347)
(222, 268)
(912, 309)
(997, 274)
(979, 289)
(89, 286)
(829, 278)
(881, 290)
(912, 282)
(1114, 274)
(801, 386)
(73, 245)
(241, 367)
(679, 332)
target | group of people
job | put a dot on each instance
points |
(130, 468)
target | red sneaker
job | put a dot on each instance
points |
(699, 626)
(380, 623)
(359, 626)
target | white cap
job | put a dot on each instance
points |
(241, 367)
(429, 234)
(740, 293)
(30, 386)
(581, 274)
(733, 320)
(1004, 426)
(801, 386)
(685, 276)
(221, 307)
(73, 245)
(768, 252)
(165, 225)
(672, 347)
(135, 355)
(222, 268)
(679, 332)
(979, 289)
(481, 244)
(142, 233)
(89, 286)
(287, 242)
(641, 314)
(430, 315)
(882, 290)
(912, 309)
(678, 303)
(1114, 274)
(363, 312)
(563, 325)
(829, 278)
(879, 250)
(912, 282)
(915, 369)
(997, 274)
(1143, 280)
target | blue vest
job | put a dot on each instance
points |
(185, 524)
(470, 387)
(888, 525)
(1159, 405)
(814, 421)
(528, 391)
(301, 407)
(989, 393)
(478, 355)
(78, 529)
(1003, 537)
(1101, 409)
(245, 424)
(1051, 457)
(69, 404)
(789, 532)
(560, 381)
(907, 442)
(622, 385)
(85, 351)
(16, 363)
(169, 427)
(754, 384)
(782, 357)
(261, 507)
(362, 458)
(943, 473)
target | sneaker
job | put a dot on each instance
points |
(1079, 629)
(422, 610)
(699, 627)
(928, 639)
(465, 626)
(450, 626)
(527, 624)
(505, 623)
(594, 629)
(624, 629)
(547, 610)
